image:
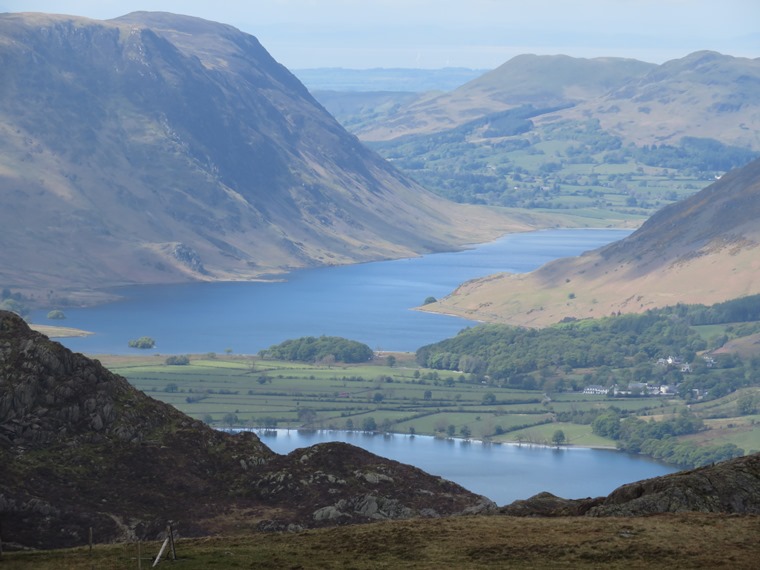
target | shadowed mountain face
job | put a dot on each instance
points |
(162, 148)
(80, 448)
(704, 249)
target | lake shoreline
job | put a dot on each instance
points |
(461, 440)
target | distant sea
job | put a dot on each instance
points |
(369, 302)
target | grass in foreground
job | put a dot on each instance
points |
(661, 541)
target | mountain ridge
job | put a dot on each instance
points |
(704, 94)
(543, 81)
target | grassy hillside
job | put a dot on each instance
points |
(676, 541)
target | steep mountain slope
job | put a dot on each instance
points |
(705, 94)
(80, 447)
(538, 80)
(161, 148)
(704, 249)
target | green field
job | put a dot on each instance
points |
(245, 391)
(239, 391)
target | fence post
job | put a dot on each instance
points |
(171, 541)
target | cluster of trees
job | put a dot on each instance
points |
(657, 439)
(316, 349)
(741, 310)
(178, 360)
(505, 352)
(620, 348)
(702, 154)
(144, 342)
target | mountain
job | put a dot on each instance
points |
(705, 94)
(80, 447)
(158, 148)
(704, 249)
(543, 81)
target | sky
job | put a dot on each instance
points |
(478, 34)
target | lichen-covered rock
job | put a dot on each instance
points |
(728, 487)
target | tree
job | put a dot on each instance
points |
(378, 397)
(307, 416)
(745, 405)
(230, 419)
(489, 398)
(349, 424)
(56, 314)
(369, 424)
(466, 432)
(451, 430)
(391, 360)
(558, 438)
(428, 395)
(171, 388)
(208, 419)
(429, 300)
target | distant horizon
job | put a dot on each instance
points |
(440, 34)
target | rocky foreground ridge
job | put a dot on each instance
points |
(80, 448)
(729, 487)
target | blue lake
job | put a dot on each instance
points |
(369, 302)
(503, 473)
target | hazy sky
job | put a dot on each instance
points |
(479, 34)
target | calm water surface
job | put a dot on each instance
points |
(503, 473)
(368, 302)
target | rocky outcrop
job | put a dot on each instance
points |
(548, 505)
(729, 487)
(81, 448)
